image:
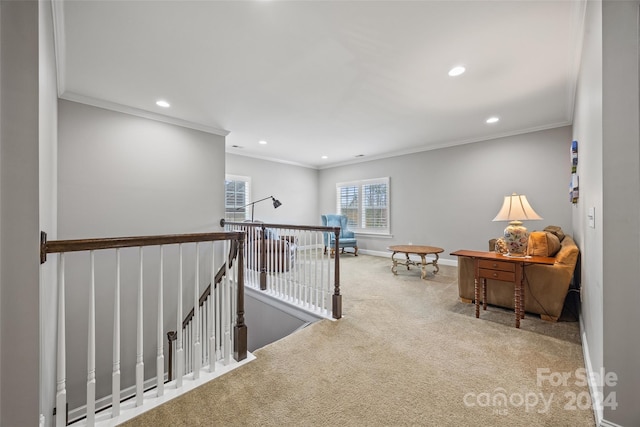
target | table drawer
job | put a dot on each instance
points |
(505, 276)
(497, 265)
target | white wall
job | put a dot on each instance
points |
(587, 130)
(48, 119)
(448, 197)
(121, 175)
(19, 223)
(295, 186)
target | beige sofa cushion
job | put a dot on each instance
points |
(543, 243)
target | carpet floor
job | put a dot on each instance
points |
(406, 353)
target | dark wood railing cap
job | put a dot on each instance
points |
(59, 246)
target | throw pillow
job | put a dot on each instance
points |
(555, 230)
(543, 243)
(501, 246)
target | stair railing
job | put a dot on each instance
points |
(291, 263)
(226, 315)
(205, 311)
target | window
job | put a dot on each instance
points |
(366, 204)
(236, 195)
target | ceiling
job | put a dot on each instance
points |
(350, 80)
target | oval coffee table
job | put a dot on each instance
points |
(421, 250)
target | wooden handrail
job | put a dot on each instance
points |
(237, 239)
(57, 246)
(224, 222)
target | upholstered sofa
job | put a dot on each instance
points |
(546, 286)
(273, 252)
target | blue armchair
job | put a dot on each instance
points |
(347, 237)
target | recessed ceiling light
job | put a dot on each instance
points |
(262, 142)
(456, 71)
(491, 120)
(325, 157)
(162, 103)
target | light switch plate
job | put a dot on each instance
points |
(591, 216)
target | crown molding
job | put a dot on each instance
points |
(108, 105)
(577, 26)
(59, 43)
(446, 144)
(237, 152)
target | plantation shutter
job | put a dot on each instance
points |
(365, 203)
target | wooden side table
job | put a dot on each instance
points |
(492, 265)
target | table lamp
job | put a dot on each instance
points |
(515, 209)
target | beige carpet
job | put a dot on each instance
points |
(406, 352)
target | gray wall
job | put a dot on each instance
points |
(295, 186)
(606, 124)
(621, 206)
(122, 175)
(448, 197)
(19, 222)
(587, 130)
(48, 119)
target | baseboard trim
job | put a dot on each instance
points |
(593, 387)
(277, 303)
(128, 410)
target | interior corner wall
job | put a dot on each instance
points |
(448, 197)
(123, 175)
(587, 130)
(19, 222)
(295, 186)
(621, 207)
(48, 143)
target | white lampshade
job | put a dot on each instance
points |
(516, 207)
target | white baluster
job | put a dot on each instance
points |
(140, 340)
(211, 302)
(160, 329)
(196, 353)
(225, 308)
(319, 260)
(217, 308)
(91, 348)
(115, 375)
(314, 263)
(61, 373)
(187, 347)
(179, 350)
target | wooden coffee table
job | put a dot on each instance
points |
(421, 250)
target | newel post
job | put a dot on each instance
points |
(337, 298)
(240, 330)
